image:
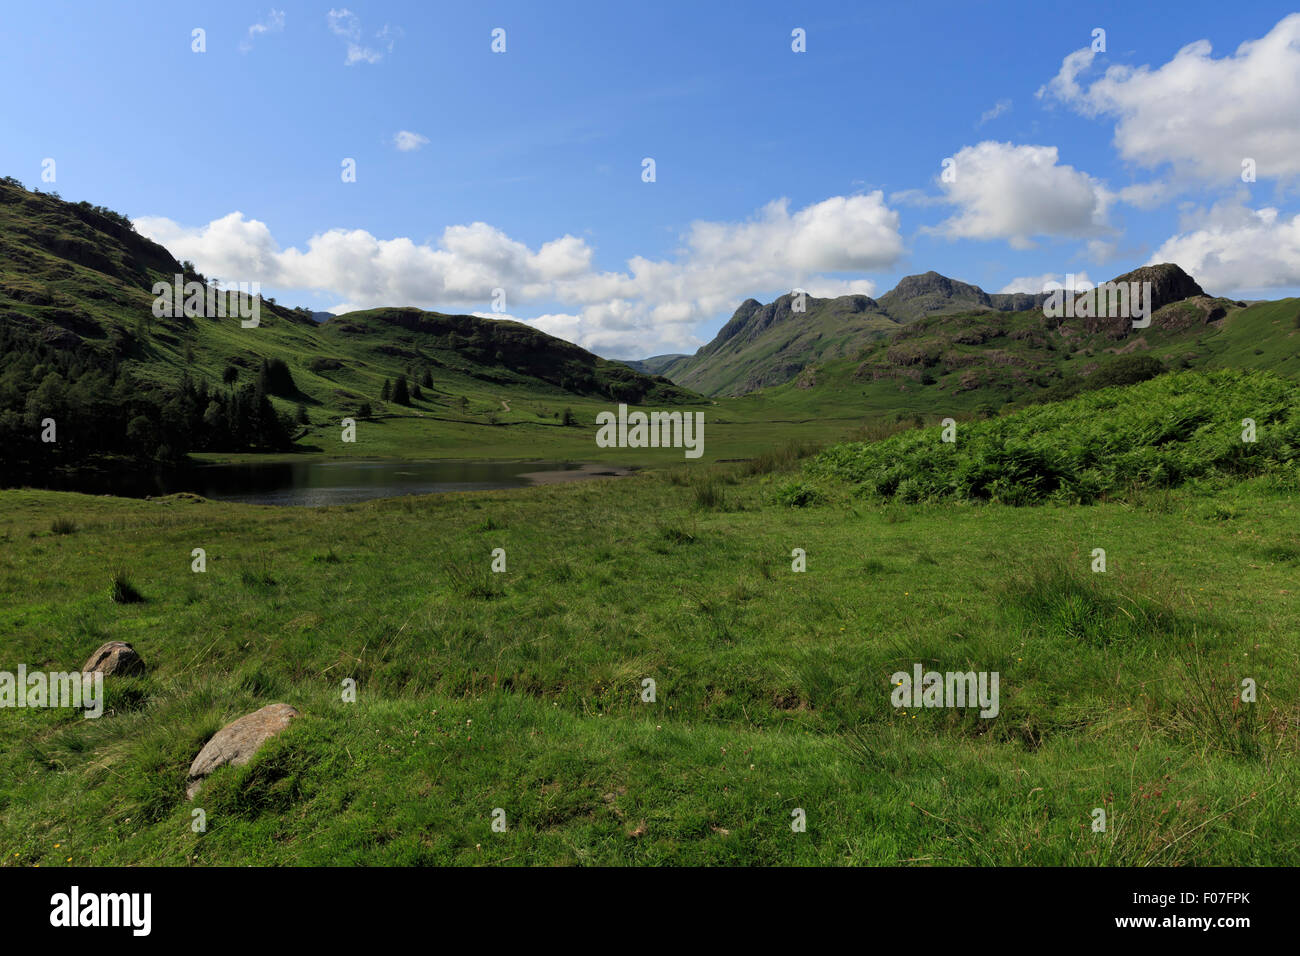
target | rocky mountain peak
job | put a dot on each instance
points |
(1169, 283)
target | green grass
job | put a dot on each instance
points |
(1161, 433)
(521, 690)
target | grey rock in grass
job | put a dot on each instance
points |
(115, 657)
(236, 743)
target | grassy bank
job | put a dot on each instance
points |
(522, 690)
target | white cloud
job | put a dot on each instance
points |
(406, 141)
(1000, 107)
(274, 23)
(1234, 249)
(651, 306)
(916, 197)
(834, 288)
(230, 248)
(839, 234)
(1146, 195)
(344, 23)
(562, 326)
(1101, 250)
(1018, 192)
(1200, 114)
(1065, 85)
(1037, 284)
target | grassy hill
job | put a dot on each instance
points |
(76, 316)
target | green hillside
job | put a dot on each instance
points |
(987, 362)
(1160, 433)
(78, 334)
(655, 364)
(82, 346)
(766, 345)
(952, 339)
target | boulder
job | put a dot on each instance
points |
(236, 743)
(115, 657)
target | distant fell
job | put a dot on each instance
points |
(765, 345)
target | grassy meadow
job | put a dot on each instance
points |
(523, 690)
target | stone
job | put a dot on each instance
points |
(115, 657)
(237, 742)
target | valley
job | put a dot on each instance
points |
(469, 667)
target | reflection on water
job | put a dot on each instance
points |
(316, 483)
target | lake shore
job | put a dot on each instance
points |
(588, 470)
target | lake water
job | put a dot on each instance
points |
(343, 482)
(318, 483)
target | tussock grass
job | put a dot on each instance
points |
(121, 590)
(781, 459)
(1068, 602)
(472, 581)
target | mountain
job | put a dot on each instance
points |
(769, 344)
(933, 294)
(1169, 283)
(79, 336)
(766, 345)
(655, 364)
(1014, 350)
(987, 360)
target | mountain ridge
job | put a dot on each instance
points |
(765, 345)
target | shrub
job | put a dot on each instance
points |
(1126, 370)
(798, 494)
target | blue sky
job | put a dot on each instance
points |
(774, 170)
